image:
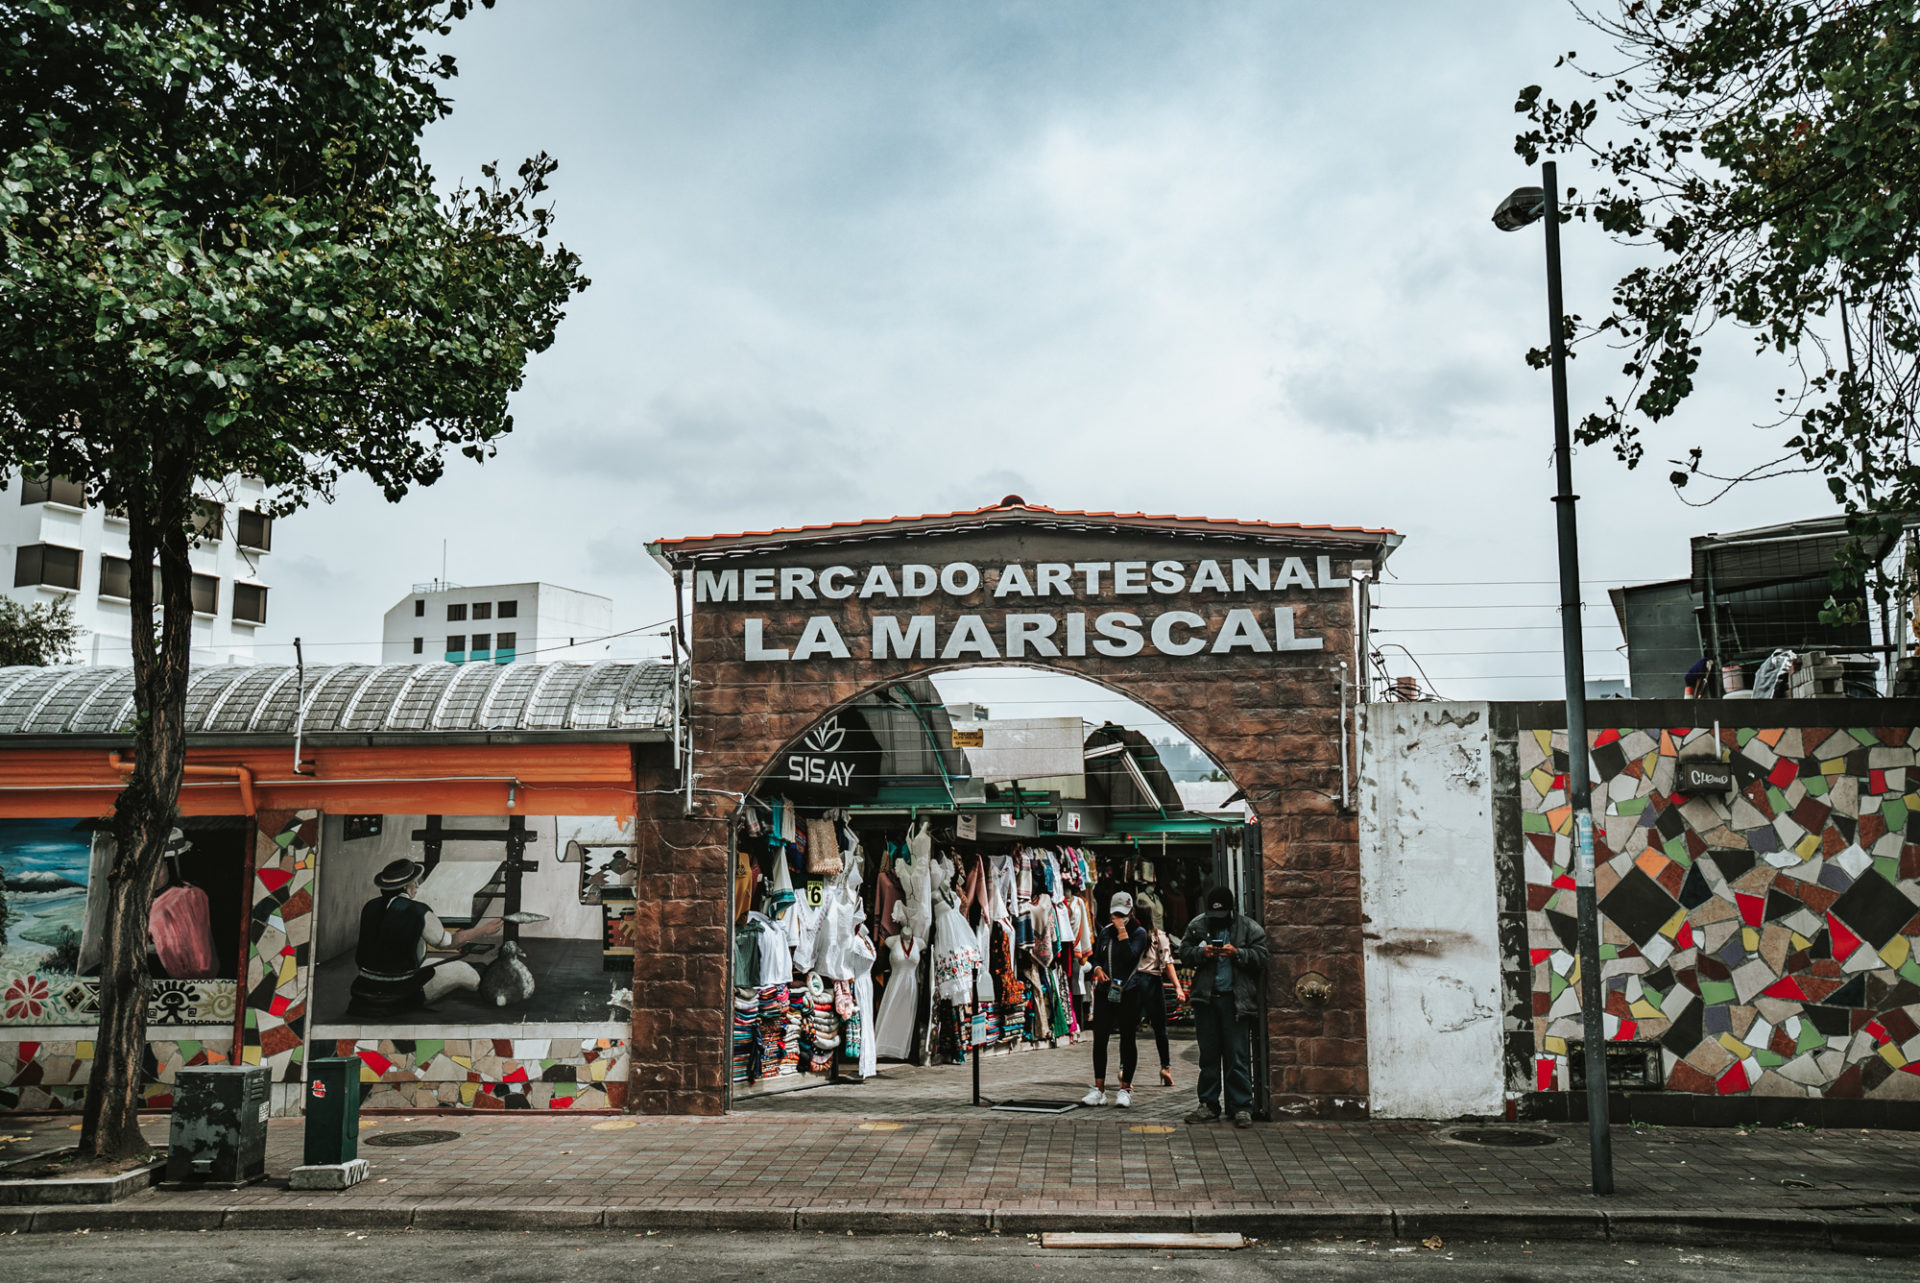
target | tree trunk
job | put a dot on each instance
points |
(142, 820)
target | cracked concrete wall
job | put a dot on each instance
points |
(1431, 903)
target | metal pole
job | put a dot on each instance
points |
(1579, 781)
(974, 1052)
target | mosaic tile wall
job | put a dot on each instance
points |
(488, 1073)
(53, 1075)
(279, 938)
(75, 1000)
(1764, 938)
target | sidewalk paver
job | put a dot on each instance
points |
(908, 1161)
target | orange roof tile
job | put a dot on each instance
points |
(1014, 504)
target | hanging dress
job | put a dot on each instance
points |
(956, 949)
(916, 881)
(859, 957)
(893, 1026)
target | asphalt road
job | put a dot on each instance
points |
(315, 1257)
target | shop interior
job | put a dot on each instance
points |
(941, 898)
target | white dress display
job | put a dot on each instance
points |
(956, 951)
(916, 881)
(859, 957)
(893, 1026)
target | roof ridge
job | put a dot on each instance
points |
(1012, 505)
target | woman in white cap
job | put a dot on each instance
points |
(1116, 952)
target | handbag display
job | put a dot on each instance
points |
(823, 847)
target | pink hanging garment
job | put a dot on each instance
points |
(182, 933)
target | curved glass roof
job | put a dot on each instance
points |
(361, 699)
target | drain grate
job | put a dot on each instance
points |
(407, 1140)
(1038, 1106)
(1502, 1137)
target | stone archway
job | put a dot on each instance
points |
(1267, 706)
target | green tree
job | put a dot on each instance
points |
(224, 255)
(1768, 152)
(37, 635)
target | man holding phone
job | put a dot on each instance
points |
(1228, 952)
(1116, 1001)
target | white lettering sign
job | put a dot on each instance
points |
(1044, 579)
(1117, 634)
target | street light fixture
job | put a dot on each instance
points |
(1524, 207)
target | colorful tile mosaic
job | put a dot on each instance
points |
(57, 999)
(53, 1075)
(488, 1073)
(279, 942)
(1764, 938)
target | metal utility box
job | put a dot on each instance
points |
(219, 1128)
(333, 1111)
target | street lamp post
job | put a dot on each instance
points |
(1525, 206)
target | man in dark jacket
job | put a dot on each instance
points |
(1228, 953)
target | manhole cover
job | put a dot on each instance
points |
(1794, 1182)
(406, 1140)
(1504, 1137)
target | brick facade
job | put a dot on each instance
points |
(1272, 720)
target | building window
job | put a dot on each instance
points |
(419, 607)
(509, 610)
(116, 578)
(456, 614)
(506, 641)
(209, 520)
(482, 642)
(249, 604)
(254, 530)
(419, 645)
(46, 565)
(52, 490)
(116, 581)
(483, 610)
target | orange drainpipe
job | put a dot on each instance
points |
(242, 774)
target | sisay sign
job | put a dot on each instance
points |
(839, 756)
(1041, 609)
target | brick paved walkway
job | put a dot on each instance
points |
(1059, 1073)
(1098, 1161)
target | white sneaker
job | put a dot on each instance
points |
(1123, 1098)
(1094, 1097)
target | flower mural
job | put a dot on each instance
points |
(25, 998)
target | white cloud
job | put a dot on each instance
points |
(853, 261)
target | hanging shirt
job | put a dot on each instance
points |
(182, 933)
(776, 961)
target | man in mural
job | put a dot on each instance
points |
(396, 931)
(1228, 952)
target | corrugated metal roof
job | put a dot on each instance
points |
(360, 699)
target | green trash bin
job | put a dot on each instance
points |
(333, 1111)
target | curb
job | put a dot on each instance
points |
(1862, 1232)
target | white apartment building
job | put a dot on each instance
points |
(63, 549)
(495, 624)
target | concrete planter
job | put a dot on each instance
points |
(81, 1189)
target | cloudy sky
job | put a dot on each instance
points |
(854, 260)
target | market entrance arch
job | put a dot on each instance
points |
(1239, 633)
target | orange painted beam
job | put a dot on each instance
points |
(531, 779)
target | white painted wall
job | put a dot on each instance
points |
(217, 637)
(1428, 889)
